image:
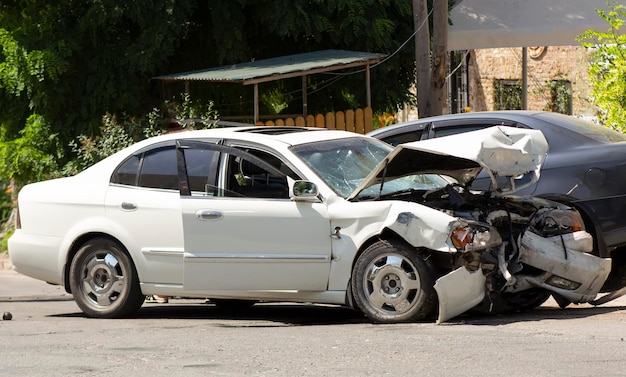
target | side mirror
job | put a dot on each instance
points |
(304, 190)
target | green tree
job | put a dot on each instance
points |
(73, 61)
(119, 132)
(33, 155)
(607, 70)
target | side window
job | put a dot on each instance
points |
(159, 169)
(247, 178)
(126, 173)
(202, 165)
(447, 131)
(402, 138)
(153, 169)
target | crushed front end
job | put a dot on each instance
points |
(512, 252)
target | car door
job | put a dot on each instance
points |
(143, 202)
(244, 233)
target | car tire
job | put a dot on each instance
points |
(103, 280)
(513, 302)
(392, 283)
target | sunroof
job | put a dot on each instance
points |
(278, 130)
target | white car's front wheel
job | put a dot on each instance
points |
(392, 283)
(103, 280)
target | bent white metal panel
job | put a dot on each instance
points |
(458, 292)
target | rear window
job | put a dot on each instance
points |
(584, 127)
(156, 168)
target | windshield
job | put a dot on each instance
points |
(344, 163)
(409, 183)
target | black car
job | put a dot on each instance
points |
(585, 166)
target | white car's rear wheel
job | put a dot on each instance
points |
(103, 280)
(392, 283)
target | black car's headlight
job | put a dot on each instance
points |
(470, 236)
(549, 222)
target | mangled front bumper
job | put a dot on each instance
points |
(569, 271)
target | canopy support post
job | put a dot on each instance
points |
(305, 110)
(368, 93)
(256, 103)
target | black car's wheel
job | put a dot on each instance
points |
(392, 283)
(513, 302)
(526, 300)
(103, 280)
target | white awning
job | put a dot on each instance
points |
(522, 23)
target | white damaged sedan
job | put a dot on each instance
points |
(252, 214)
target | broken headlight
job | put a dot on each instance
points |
(549, 222)
(470, 236)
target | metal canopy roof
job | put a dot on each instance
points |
(279, 68)
(299, 65)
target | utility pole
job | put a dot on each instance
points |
(422, 56)
(438, 92)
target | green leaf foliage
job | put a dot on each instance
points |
(33, 155)
(607, 70)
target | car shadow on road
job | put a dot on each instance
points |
(279, 313)
(284, 313)
(538, 314)
(290, 314)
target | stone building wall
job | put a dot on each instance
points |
(544, 64)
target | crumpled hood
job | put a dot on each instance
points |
(502, 151)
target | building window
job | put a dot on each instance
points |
(559, 97)
(507, 95)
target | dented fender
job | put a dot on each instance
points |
(423, 228)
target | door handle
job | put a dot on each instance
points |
(208, 215)
(129, 206)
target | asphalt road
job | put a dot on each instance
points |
(49, 336)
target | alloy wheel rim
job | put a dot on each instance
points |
(391, 284)
(103, 279)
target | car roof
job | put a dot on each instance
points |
(553, 125)
(515, 115)
(272, 135)
(276, 137)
